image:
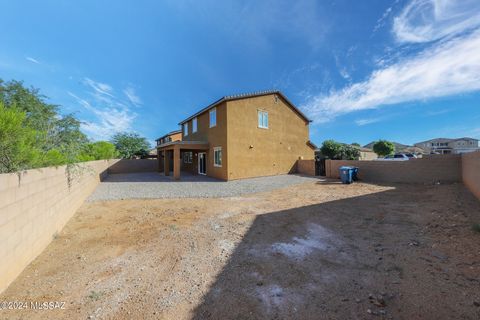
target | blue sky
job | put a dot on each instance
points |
(403, 70)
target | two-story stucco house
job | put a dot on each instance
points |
(169, 137)
(448, 146)
(241, 136)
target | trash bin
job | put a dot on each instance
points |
(355, 174)
(348, 174)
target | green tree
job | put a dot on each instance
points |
(383, 148)
(17, 141)
(98, 151)
(130, 144)
(331, 149)
(356, 144)
(339, 151)
(349, 152)
(53, 157)
(52, 131)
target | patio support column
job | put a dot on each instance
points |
(176, 163)
(160, 160)
(166, 162)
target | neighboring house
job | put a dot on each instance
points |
(171, 136)
(242, 136)
(448, 146)
(367, 154)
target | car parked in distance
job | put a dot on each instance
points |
(398, 157)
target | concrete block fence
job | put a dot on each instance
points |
(430, 169)
(306, 167)
(36, 204)
(471, 172)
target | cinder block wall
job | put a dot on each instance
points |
(471, 172)
(306, 167)
(134, 165)
(430, 169)
(35, 205)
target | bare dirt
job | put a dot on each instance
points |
(312, 251)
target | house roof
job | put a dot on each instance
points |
(245, 96)
(169, 134)
(447, 140)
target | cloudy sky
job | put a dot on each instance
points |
(404, 70)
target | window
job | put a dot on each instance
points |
(213, 117)
(194, 125)
(187, 157)
(185, 129)
(263, 119)
(217, 156)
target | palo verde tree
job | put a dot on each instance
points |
(100, 150)
(383, 148)
(17, 141)
(130, 145)
(34, 134)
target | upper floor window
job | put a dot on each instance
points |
(263, 119)
(194, 125)
(213, 117)
(217, 156)
(185, 129)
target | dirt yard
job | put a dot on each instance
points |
(319, 250)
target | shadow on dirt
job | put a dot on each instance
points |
(345, 259)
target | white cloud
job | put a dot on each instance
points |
(381, 21)
(363, 122)
(33, 60)
(444, 68)
(99, 88)
(110, 115)
(132, 96)
(428, 20)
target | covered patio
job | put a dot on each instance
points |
(169, 154)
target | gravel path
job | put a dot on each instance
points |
(153, 185)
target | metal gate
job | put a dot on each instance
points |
(320, 166)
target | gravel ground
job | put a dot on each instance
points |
(152, 185)
(318, 250)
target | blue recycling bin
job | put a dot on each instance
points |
(348, 174)
(355, 174)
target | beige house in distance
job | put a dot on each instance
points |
(241, 136)
(448, 146)
(367, 154)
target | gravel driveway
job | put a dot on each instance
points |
(153, 185)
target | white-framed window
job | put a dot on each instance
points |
(217, 156)
(213, 117)
(262, 119)
(187, 157)
(185, 129)
(194, 125)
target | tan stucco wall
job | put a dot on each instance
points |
(262, 152)
(37, 206)
(216, 137)
(430, 169)
(471, 172)
(176, 136)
